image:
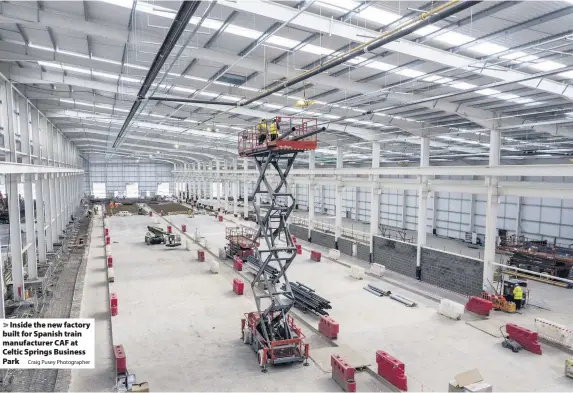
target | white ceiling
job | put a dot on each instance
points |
(82, 63)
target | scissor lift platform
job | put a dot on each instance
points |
(270, 330)
(297, 134)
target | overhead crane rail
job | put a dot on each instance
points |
(271, 330)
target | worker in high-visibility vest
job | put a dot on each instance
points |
(518, 296)
(274, 129)
(262, 131)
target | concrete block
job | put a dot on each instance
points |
(357, 272)
(451, 309)
(345, 246)
(334, 254)
(110, 275)
(108, 249)
(222, 253)
(213, 266)
(452, 272)
(322, 239)
(363, 252)
(377, 269)
(554, 332)
(396, 256)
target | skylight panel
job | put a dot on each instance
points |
(345, 5)
(105, 60)
(507, 96)
(488, 92)
(328, 116)
(462, 85)
(426, 30)
(281, 41)
(410, 73)
(76, 69)
(208, 94)
(453, 38)
(380, 66)
(379, 16)
(568, 74)
(547, 66)
(273, 106)
(184, 89)
(319, 50)
(244, 32)
(487, 48)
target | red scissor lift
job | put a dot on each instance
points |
(241, 242)
(270, 330)
(296, 134)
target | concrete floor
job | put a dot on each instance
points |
(180, 324)
(95, 305)
(433, 347)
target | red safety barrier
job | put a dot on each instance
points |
(113, 304)
(120, 359)
(150, 214)
(238, 286)
(221, 218)
(293, 238)
(237, 263)
(107, 240)
(525, 337)
(392, 370)
(329, 327)
(342, 373)
(299, 249)
(315, 256)
(109, 261)
(169, 229)
(479, 306)
(106, 231)
(183, 228)
(201, 255)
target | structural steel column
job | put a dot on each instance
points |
(422, 200)
(235, 188)
(311, 190)
(404, 208)
(338, 198)
(10, 124)
(245, 189)
(28, 197)
(374, 198)
(491, 211)
(50, 239)
(54, 212)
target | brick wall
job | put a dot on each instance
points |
(299, 231)
(363, 252)
(453, 272)
(396, 256)
(322, 239)
(345, 246)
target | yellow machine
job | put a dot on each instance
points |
(569, 368)
(500, 303)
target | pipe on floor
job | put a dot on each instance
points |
(442, 12)
(177, 28)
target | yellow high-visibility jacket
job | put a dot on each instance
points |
(518, 293)
(262, 128)
(274, 129)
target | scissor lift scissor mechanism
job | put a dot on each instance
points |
(270, 330)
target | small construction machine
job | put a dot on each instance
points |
(240, 242)
(271, 330)
(157, 235)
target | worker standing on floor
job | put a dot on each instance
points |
(274, 129)
(262, 131)
(518, 296)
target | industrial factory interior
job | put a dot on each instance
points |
(280, 196)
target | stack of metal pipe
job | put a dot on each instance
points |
(255, 265)
(306, 299)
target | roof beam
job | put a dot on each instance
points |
(355, 33)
